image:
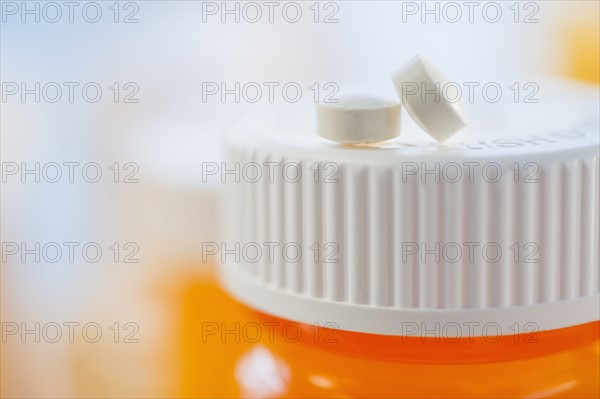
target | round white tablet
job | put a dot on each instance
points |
(359, 118)
(420, 87)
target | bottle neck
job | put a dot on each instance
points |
(431, 347)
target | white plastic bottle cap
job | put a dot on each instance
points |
(359, 118)
(497, 233)
(420, 86)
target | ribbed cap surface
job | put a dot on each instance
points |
(502, 229)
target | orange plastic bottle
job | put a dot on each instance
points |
(223, 359)
(375, 272)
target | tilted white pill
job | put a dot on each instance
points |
(359, 118)
(420, 86)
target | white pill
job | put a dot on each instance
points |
(424, 92)
(359, 118)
